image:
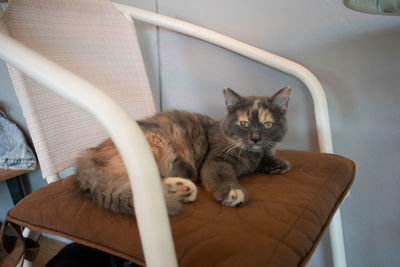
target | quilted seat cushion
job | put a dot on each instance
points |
(280, 226)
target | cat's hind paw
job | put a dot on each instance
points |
(180, 188)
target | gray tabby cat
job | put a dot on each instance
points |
(190, 148)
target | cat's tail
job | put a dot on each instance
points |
(110, 191)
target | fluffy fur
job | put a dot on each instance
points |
(191, 148)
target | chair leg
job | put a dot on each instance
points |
(28, 233)
(34, 235)
(337, 241)
(52, 178)
(27, 264)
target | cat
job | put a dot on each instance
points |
(190, 148)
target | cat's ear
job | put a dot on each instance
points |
(281, 98)
(231, 98)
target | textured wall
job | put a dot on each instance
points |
(357, 59)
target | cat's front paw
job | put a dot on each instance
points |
(278, 166)
(235, 198)
(232, 197)
(180, 188)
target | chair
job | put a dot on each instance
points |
(85, 50)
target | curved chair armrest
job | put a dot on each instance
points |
(285, 65)
(150, 207)
(269, 59)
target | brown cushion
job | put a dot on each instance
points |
(280, 226)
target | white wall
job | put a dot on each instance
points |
(356, 57)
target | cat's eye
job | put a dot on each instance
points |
(245, 124)
(267, 125)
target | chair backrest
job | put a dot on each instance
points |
(92, 39)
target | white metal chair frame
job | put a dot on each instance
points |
(151, 214)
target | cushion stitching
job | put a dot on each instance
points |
(304, 209)
(68, 236)
(293, 226)
(196, 230)
(307, 257)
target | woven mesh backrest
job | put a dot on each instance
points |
(93, 40)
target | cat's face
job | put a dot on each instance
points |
(256, 123)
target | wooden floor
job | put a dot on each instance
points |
(48, 249)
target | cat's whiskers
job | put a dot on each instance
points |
(271, 145)
(280, 143)
(226, 149)
(231, 144)
(231, 147)
(241, 149)
(229, 151)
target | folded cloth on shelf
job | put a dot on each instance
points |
(15, 153)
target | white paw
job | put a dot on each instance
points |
(235, 198)
(180, 188)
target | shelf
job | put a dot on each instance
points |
(6, 174)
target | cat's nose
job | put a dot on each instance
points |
(255, 139)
